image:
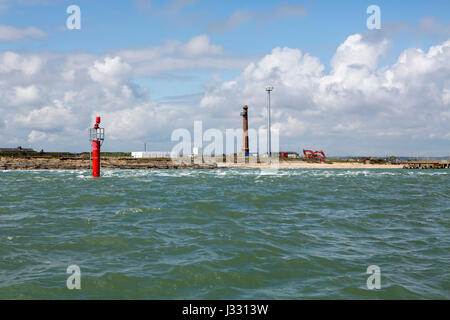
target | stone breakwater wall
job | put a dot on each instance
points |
(10, 163)
(428, 164)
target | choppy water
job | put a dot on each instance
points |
(225, 234)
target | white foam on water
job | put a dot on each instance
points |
(133, 210)
(127, 173)
(221, 173)
(303, 172)
(425, 173)
(83, 177)
(45, 179)
(130, 210)
(132, 173)
(394, 172)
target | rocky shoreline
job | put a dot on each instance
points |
(110, 162)
(61, 163)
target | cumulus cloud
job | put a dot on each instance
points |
(355, 52)
(36, 136)
(47, 95)
(356, 100)
(110, 72)
(357, 106)
(51, 117)
(11, 61)
(24, 95)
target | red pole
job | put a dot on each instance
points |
(96, 158)
(96, 152)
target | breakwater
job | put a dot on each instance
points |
(427, 164)
(79, 163)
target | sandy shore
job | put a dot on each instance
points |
(309, 165)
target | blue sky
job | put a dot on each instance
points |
(110, 25)
(118, 24)
(242, 32)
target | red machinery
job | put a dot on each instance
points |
(315, 155)
(96, 135)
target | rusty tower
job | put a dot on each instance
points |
(245, 148)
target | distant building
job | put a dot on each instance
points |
(196, 151)
(290, 155)
(153, 155)
(18, 149)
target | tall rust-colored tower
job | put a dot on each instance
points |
(245, 148)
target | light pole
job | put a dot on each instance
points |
(269, 89)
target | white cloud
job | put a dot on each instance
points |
(199, 46)
(9, 33)
(110, 72)
(52, 117)
(11, 61)
(24, 95)
(356, 105)
(446, 97)
(355, 52)
(357, 99)
(130, 122)
(37, 136)
(197, 54)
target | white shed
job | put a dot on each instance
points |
(153, 154)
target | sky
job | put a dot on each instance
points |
(151, 67)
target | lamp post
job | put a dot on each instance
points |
(269, 89)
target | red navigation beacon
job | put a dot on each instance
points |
(96, 135)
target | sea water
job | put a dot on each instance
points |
(225, 234)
